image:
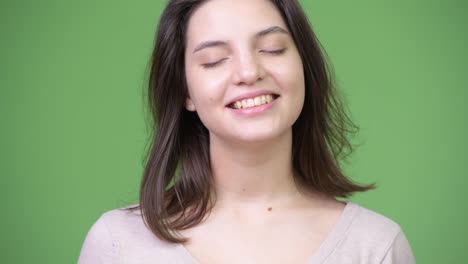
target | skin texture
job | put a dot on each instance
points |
(244, 65)
(259, 209)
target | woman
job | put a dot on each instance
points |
(244, 164)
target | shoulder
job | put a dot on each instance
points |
(373, 225)
(119, 234)
(123, 222)
(371, 236)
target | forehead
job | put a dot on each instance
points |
(228, 19)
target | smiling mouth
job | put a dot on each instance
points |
(253, 102)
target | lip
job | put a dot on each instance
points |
(253, 111)
(251, 95)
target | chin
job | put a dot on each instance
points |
(253, 136)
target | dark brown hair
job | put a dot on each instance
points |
(176, 189)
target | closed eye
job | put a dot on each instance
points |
(274, 52)
(213, 64)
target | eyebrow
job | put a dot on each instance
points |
(270, 30)
(217, 43)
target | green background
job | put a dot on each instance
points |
(73, 129)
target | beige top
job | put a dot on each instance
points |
(359, 236)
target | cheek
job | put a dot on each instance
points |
(290, 76)
(205, 88)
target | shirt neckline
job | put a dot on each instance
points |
(327, 246)
(338, 232)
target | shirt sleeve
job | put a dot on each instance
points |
(99, 247)
(400, 251)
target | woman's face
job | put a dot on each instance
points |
(244, 74)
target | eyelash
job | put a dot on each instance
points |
(275, 52)
(214, 64)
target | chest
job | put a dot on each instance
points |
(281, 242)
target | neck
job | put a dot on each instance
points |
(253, 174)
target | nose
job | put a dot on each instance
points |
(248, 70)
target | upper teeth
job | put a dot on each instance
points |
(251, 102)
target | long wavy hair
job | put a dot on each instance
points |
(176, 189)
